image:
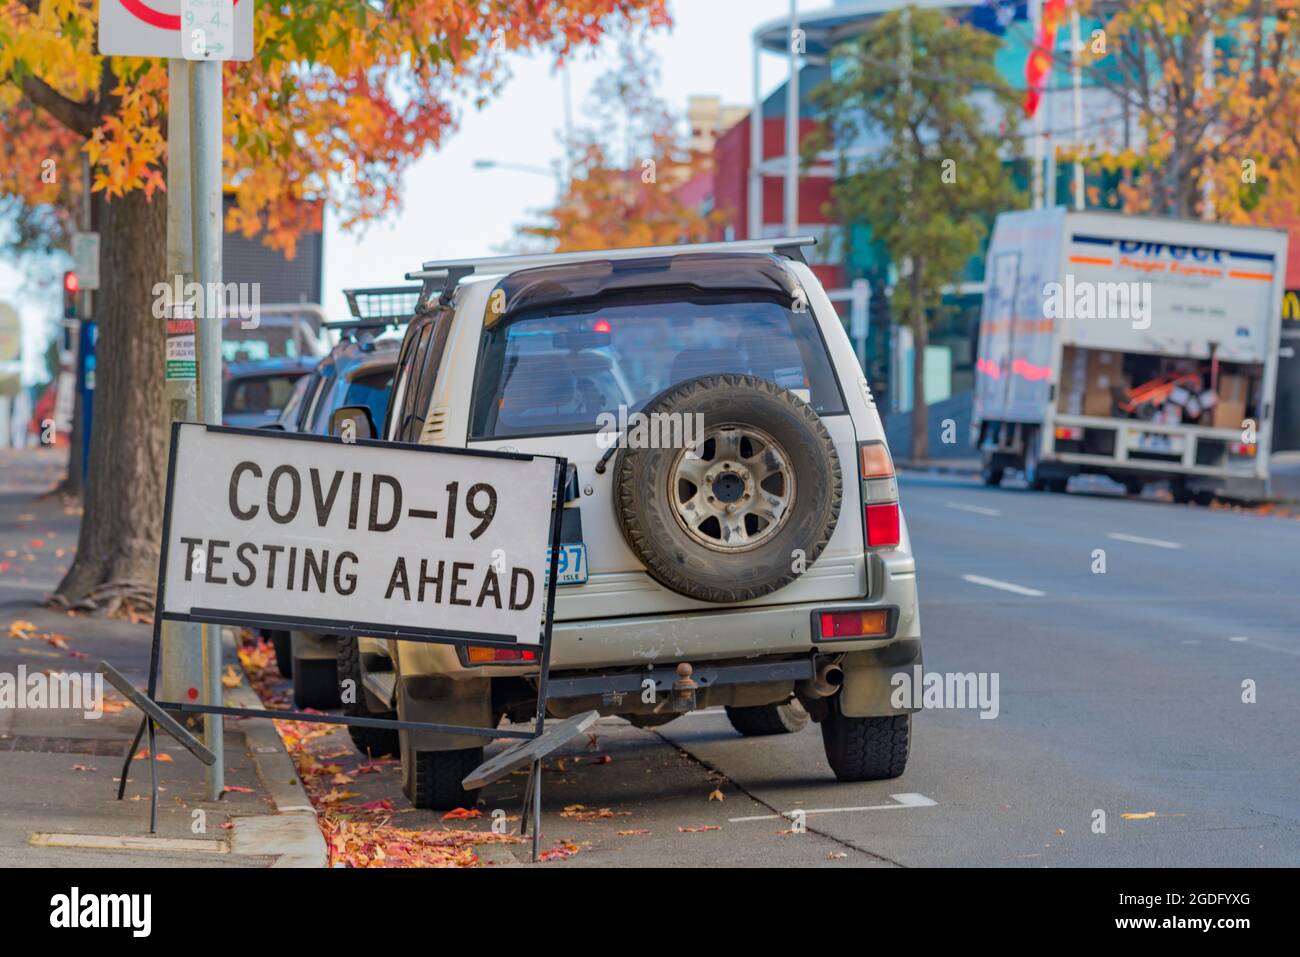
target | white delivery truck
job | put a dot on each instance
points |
(1136, 347)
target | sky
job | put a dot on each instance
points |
(454, 210)
(450, 208)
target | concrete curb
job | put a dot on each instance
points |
(291, 834)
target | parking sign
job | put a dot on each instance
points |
(181, 29)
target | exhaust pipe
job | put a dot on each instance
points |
(827, 680)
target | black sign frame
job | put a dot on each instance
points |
(220, 617)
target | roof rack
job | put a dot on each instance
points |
(441, 276)
(354, 330)
(391, 303)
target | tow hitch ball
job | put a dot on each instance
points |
(684, 687)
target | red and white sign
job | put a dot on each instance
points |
(181, 29)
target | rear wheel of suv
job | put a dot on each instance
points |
(766, 719)
(376, 742)
(431, 779)
(721, 521)
(866, 749)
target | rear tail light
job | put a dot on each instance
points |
(1069, 433)
(879, 495)
(882, 525)
(478, 655)
(854, 624)
(1243, 448)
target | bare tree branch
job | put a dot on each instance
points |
(81, 118)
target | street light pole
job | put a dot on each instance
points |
(792, 127)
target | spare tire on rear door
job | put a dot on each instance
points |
(742, 513)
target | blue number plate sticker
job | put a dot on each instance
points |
(572, 564)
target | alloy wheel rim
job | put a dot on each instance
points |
(734, 491)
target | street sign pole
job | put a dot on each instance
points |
(197, 40)
(205, 156)
(182, 658)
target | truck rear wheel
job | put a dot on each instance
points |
(866, 749)
(765, 719)
(1031, 466)
(990, 474)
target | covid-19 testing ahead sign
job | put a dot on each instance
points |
(285, 530)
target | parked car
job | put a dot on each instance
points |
(277, 332)
(768, 555)
(358, 371)
(256, 392)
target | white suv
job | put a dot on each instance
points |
(731, 536)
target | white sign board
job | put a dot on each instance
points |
(85, 255)
(389, 541)
(181, 29)
(1196, 295)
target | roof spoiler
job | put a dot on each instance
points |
(440, 277)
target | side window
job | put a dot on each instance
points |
(320, 387)
(429, 363)
(404, 403)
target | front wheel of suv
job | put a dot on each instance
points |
(375, 742)
(866, 749)
(763, 719)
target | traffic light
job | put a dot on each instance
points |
(70, 289)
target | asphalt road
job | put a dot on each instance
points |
(1119, 691)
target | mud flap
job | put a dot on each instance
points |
(868, 675)
(434, 700)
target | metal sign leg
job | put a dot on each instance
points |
(130, 753)
(537, 810)
(527, 801)
(153, 779)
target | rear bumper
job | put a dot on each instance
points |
(738, 633)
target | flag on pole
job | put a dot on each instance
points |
(1039, 63)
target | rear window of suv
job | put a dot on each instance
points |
(554, 370)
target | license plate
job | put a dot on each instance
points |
(1160, 442)
(571, 566)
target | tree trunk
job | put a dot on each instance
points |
(122, 523)
(920, 339)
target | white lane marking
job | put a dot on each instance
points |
(977, 509)
(904, 801)
(1004, 586)
(1139, 540)
(1239, 638)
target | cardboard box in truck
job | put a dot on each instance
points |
(1082, 309)
(1230, 411)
